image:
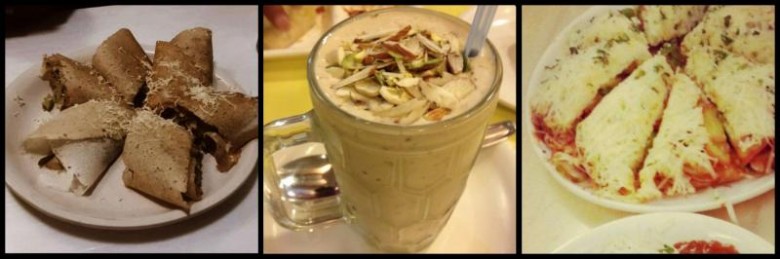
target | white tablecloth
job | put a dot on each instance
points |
(229, 227)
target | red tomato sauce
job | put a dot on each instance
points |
(704, 247)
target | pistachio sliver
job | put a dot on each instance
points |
(340, 54)
(350, 62)
(441, 97)
(402, 109)
(429, 44)
(365, 73)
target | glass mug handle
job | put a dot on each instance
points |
(304, 194)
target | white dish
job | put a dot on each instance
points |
(484, 220)
(503, 36)
(111, 205)
(648, 233)
(711, 198)
(303, 46)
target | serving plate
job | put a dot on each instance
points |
(111, 205)
(708, 199)
(647, 233)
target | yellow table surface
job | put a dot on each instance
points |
(286, 90)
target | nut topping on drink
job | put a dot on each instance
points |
(404, 74)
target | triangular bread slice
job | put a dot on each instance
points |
(160, 162)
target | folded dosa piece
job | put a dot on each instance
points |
(73, 82)
(196, 43)
(123, 62)
(173, 73)
(84, 140)
(177, 84)
(234, 115)
(161, 161)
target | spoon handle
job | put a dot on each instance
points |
(497, 132)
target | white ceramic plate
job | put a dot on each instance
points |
(503, 35)
(303, 46)
(648, 233)
(711, 198)
(111, 205)
(484, 220)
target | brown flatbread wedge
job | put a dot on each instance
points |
(73, 82)
(80, 143)
(160, 160)
(173, 72)
(123, 62)
(234, 115)
(196, 43)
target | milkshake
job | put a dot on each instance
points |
(402, 115)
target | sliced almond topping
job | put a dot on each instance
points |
(436, 114)
(414, 115)
(429, 44)
(357, 97)
(343, 92)
(402, 109)
(412, 45)
(401, 33)
(372, 36)
(460, 87)
(397, 48)
(394, 95)
(336, 72)
(455, 62)
(365, 73)
(441, 97)
(408, 82)
(368, 87)
(414, 91)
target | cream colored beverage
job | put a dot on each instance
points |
(402, 117)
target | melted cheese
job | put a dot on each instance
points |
(573, 84)
(602, 28)
(663, 23)
(613, 139)
(745, 93)
(680, 140)
(744, 30)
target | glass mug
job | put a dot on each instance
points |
(397, 185)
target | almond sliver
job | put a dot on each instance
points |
(365, 73)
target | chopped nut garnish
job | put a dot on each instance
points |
(404, 74)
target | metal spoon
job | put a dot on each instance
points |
(311, 177)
